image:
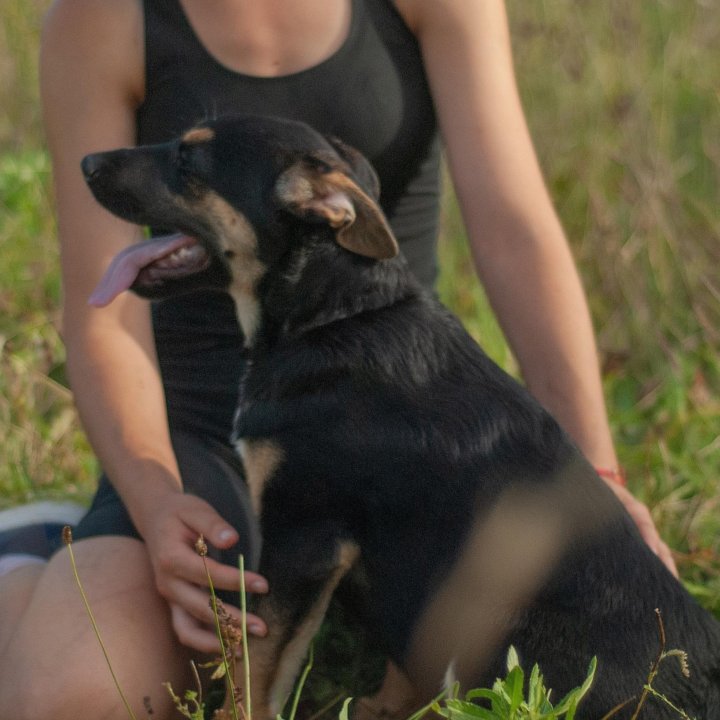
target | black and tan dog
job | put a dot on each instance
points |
(383, 448)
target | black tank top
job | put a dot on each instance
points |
(372, 93)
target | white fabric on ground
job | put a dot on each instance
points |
(48, 511)
(11, 562)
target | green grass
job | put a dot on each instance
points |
(622, 101)
(44, 452)
(623, 104)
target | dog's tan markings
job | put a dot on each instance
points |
(198, 135)
(275, 660)
(261, 459)
(360, 224)
(293, 188)
(238, 241)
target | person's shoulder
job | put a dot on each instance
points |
(100, 39)
(437, 16)
(418, 13)
(92, 20)
(95, 8)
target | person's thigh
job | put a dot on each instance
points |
(53, 665)
(16, 590)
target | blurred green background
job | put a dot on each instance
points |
(623, 99)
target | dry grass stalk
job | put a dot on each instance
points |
(67, 539)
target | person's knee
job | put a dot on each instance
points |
(87, 690)
(66, 694)
(53, 666)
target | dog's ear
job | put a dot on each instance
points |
(360, 166)
(319, 193)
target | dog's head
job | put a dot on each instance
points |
(236, 193)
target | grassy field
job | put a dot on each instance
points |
(623, 102)
(622, 99)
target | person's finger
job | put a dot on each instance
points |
(201, 518)
(646, 525)
(196, 603)
(227, 577)
(196, 600)
(255, 625)
(184, 563)
(192, 633)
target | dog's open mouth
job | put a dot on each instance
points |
(150, 263)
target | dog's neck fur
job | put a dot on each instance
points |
(319, 283)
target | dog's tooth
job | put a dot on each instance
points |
(177, 258)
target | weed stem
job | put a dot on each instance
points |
(301, 683)
(246, 656)
(229, 678)
(67, 538)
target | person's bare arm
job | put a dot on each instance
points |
(92, 79)
(518, 244)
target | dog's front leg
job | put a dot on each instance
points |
(303, 570)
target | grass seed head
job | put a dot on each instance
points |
(230, 627)
(201, 547)
(682, 658)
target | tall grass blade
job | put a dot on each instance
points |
(67, 539)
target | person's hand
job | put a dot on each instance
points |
(177, 521)
(641, 515)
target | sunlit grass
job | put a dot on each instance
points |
(44, 452)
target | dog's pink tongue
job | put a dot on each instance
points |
(127, 264)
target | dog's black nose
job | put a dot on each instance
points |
(91, 165)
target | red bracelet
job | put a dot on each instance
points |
(616, 476)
